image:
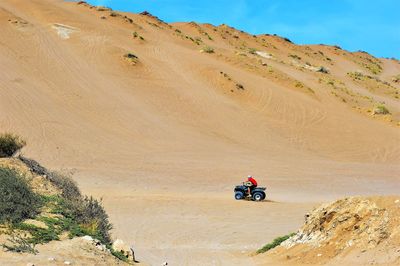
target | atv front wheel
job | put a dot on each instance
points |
(239, 195)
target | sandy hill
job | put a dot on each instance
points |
(171, 116)
(352, 231)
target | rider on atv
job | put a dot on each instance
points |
(251, 184)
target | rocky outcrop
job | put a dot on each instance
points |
(348, 222)
(126, 250)
(350, 231)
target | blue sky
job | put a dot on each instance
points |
(369, 25)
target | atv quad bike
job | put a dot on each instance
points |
(256, 194)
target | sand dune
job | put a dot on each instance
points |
(164, 140)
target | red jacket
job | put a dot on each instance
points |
(253, 181)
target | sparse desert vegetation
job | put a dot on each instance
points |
(276, 242)
(10, 144)
(381, 109)
(132, 58)
(38, 206)
(208, 50)
(17, 200)
(35, 217)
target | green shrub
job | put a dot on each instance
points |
(81, 215)
(252, 50)
(323, 69)
(69, 188)
(381, 110)
(208, 50)
(17, 200)
(295, 56)
(40, 235)
(19, 244)
(276, 242)
(91, 217)
(118, 254)
(34, 166)
(10, 144)
(130, 56)
(239, 86)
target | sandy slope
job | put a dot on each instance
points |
(349, 231)
(164, 141)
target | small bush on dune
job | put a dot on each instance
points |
(69, 188)
(381, 110)
(17, 200)
(34, 166)
(208, 50)
(323, 69)
(252, 50)
(276, 242)
(130, 56)
(10, 144)
(91, 217)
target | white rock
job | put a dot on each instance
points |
(51, 259)
(319, 255)
(264, 54)
(396, 201)
(87, 238)
(67, 262)
(120, 246)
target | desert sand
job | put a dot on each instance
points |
(164, 138)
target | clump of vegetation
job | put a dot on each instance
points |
(208, 36)
(90, 217)
(17, 200)
(136, 35)
(287, 40)
(131, 58)
(294, 56)
(225, 75)
(198, 40)
(19, 244)
(65, 211)
(299, 84)
(10, 144)
(69, 188)
(103, 8)
(323, 69)
(276, 242)
(252, 51)
(239, 86)
(381, 110)
(208, 49)
(178, 31)
(356, 75)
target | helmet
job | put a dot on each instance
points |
(249, 176)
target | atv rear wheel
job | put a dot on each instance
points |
(239, 195)
(258, 196)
